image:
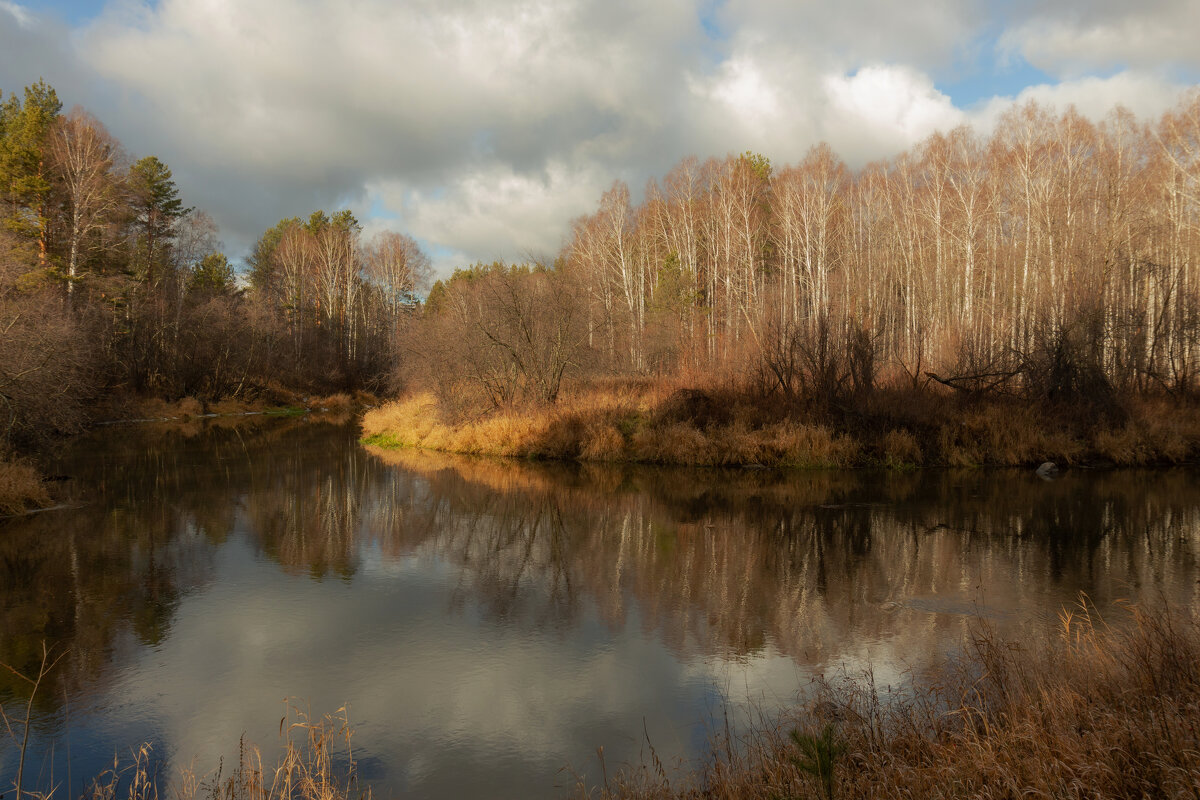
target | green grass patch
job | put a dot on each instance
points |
(386, 440)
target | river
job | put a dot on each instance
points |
(489, 625)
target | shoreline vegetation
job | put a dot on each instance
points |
(1100, 710)
(999, 298)
(24, 489)
(639, 422)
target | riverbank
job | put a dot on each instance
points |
(663, 425)
(24, 488)
(277, 403)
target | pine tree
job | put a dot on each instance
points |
(156, 206)
(24, 180)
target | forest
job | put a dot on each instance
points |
(1041, 274)
(112, 289)
(998, 298)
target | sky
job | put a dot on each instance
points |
(483, 127)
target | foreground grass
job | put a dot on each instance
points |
(1099, 712)
(316, 763)
(689, 427)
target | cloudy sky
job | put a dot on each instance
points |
(482, 127)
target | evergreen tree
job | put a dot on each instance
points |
(212, 276)
(156, 207)
(24, 174)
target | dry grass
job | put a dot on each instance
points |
(333, 402)
(317, 763)
(900, 449)
(1005, 434)
(1099, 712)
(228, 406)
(157, 408)
(642, 421)
(1156, 433)
(21, 488)
(607, 427)
(275, 401)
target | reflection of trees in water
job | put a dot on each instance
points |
(304, 503)
(154, 501)
(713, 562)
(724, 561)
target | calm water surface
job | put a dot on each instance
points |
(490, 625)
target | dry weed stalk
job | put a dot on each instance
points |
(35, 683)
(317, 764)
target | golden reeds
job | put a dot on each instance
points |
(317, 763)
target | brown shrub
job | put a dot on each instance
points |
(21, 488)
(333, 402)
(900, 449)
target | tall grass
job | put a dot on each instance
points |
(608, 428)
(1098, 712)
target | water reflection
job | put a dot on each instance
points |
(490, 621)
(725, 562)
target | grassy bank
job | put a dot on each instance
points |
(667, 425)
(1098, 712)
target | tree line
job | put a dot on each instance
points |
(1053, 255)
(110, 284)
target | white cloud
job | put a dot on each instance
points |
(1072, 38)
(485, 126)
(19, 14)
(496, 212)
(886, 109)
(925, 34)
(1146, 95)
